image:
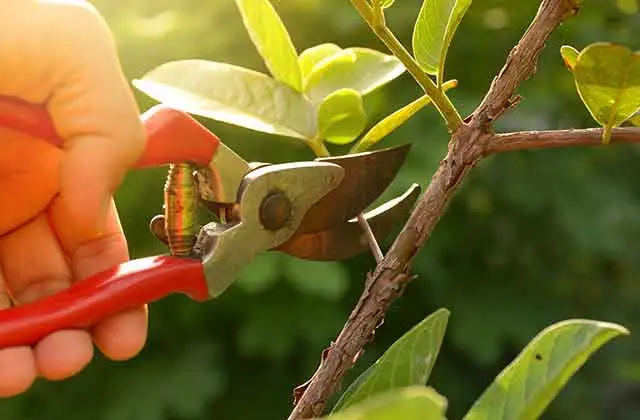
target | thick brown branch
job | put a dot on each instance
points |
(524, 140)
(466, 148)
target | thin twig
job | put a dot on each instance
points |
(371, 238)
(467, 146)
(525, 140)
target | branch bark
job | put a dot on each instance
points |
(525, 140)
(469, 143)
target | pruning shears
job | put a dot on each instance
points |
(306, 209)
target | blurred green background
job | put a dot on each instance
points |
(530, 239)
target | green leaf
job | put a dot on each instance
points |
(361, 69)
(607, 77)
(437, 22)
(270, 36)
(341, 116)
(395, 120)
(408, 361)
(410, 403)
(525, 388)
(635, 120)
(312, 56)
(231, 94)
(569, 56)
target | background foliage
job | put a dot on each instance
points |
(532, 238)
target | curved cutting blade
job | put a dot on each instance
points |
(366, 176)
(347, 239)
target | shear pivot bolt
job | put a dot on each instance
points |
(275, 211)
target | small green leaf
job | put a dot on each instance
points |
(410, 403)
(341, 116)
(408, 361)
(635, 120)
(361, 69)
(231, 94)
(395, 120)
(569, 56)
(434, 29)
(312, 56)
(270, 36)
(525, 388)
(607, 77)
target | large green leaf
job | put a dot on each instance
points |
(361, 69)
(231, 94)
(410, 403)
(391, 122)
(408, 361)
(341, 116)
(270, 36)
(525, 388)
(437, 22)
(607, 77)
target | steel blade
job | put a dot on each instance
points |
(367, 176)
(347, 239)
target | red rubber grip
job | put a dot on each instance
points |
(172, 136)
(126, 286)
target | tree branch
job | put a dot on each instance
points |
(467, 146)
(524, 140)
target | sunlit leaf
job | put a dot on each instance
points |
(408, 361)
(270, 36)
(607, 77)
(569, 56)
(341, 116)
(635, 120)
(312, 56)
(231, 94)
(434, 29)
(526, 387)
(410, 403)
(361, 69)
(395, 120)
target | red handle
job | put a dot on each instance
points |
(172, 136)
(126, 286)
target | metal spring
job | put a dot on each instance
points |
(180, 209)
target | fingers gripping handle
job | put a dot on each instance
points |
(172, 136)
(126, 286)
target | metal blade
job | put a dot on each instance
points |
(366, 176)
(347, 239)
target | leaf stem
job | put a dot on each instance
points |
(375, 20)
(317, 145)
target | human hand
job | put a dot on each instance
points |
(58, 223)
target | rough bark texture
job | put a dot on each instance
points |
(468, 145)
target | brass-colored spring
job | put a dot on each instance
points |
(180, 209)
